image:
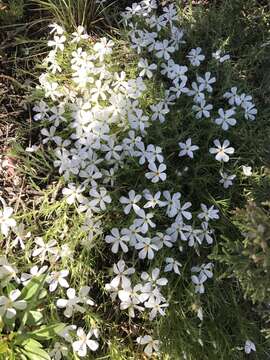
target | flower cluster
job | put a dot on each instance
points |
(97, 120)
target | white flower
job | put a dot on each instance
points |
(73, 193)
(6, 222)
(195, 57)
(34, 271)
(117, 240)
(233, 97)
(7, 272)
(22, 235)
(187, 148)
(103, 48)
(156, 306)
(221, 58)
(222, 151)
(147, 248)
(154, 280)
(80, 346)
(205, 271)
(100, 199)
(57, 277)
(206, 81)
(201, 109)
(172, 203)
(250, 111)
(146, 68)
(208, 214)
(159, 111)
(58, 42)
(9, 305)
(131, 202)
(59, 351)
(42, 248)
(151, 344)
(121, 275)
(56, 28)
(198, 282)
(172, 265)
(225, 119)
(163, 49)
(226, 179)
(249, 346)
(144, 221)
(247, 170)
(79, 35)
(153, 200)
(71, 304)
(156, 173)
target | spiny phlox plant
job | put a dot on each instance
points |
(96, 118)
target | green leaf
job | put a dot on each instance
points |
(33, 288)
(36, 354)
(34, 318)
(3, 347)
(47, 332)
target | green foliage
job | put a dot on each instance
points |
(71, 13)
(11, 11)
(248, 257)
(23, 337)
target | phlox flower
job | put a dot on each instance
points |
(34, 271)
(232, 97)
(153, 279)
(152, 200)
(79, 35)
(222, 151)
(159, 111)
(100, 199)
(221, 58)
(151, 344)
(80, 346)
(7, 272)
(156, 306)
(71, 304)
(208, 213)
(43, 249)
(57, 278)
(58, 42)
(56, 28)
(21, 235)
(121, 278)
(187, 148)
(6, 221)
(9, 305)
(172, 265)
(202, 109)
(164, 49)
(117, 240)
(206, 81)
(195, 57)
(103, 48)
(146, 68)
(225, 118)
(172, 202)
(226, 179)
(130, 202)
(73, 193)
(247, 170)
(249, 346)
(156, 173)
(147, 248)
(144, 221)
